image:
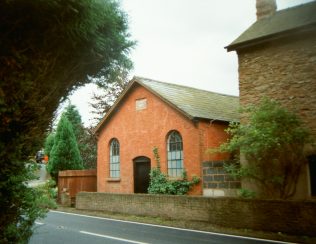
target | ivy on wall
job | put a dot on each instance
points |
(161, 184)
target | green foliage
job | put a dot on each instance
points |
(272, 141)
(48, 48)
(28, 205)
(65, 154)
(74, 117)
(160, 184)
(47, 195)
(246, 193)
(49, 143)
(88, 149)
(85, 138)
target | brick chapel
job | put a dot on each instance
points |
(182, 122)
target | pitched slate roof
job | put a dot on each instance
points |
(194, 103)
(282, 23)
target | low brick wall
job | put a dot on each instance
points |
(293, 217)
(74, 181)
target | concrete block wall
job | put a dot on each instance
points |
(293, 217)
(217, 182)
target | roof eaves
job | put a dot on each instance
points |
(274, 36)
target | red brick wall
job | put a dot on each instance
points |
(140, 131)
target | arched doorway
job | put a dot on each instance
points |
(141, 174)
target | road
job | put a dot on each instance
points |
(59, 227)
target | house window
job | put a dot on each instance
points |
(114, 159)
(175, 154)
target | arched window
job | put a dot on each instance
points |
(175, 154)
(114, 159)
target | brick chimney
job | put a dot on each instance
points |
(265, 8)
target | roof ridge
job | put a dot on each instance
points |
(183, 86)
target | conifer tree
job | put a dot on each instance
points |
(65, 153)
(74, 117)
(49, 143)
(85, 138)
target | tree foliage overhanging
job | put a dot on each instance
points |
(272, 140)
(47, 49)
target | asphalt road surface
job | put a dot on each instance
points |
(59, 227)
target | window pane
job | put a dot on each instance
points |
(175, 154)
(179, 164)
(169, 164)
(114, 159)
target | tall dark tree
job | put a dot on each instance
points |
(84, 136)
(65, 153)
(47, 49)
(74, 117)
(49, 143)
(88, 149)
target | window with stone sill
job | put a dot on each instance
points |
(114, 158)
(175, 154)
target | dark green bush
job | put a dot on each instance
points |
(161, 184)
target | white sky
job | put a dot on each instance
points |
(182, 41)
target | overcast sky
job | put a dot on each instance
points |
(182, 41)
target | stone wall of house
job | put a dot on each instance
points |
(216, 181)
(284, 69)
(293, 217)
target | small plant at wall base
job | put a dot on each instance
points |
(272, 141)
(160, 184)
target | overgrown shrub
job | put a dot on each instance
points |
(161, 184)
(272, 141)
(47, 195)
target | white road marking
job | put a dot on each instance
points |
(111, 237)
(175, 228)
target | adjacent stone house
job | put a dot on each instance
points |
(277, 59)
(182, 122)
